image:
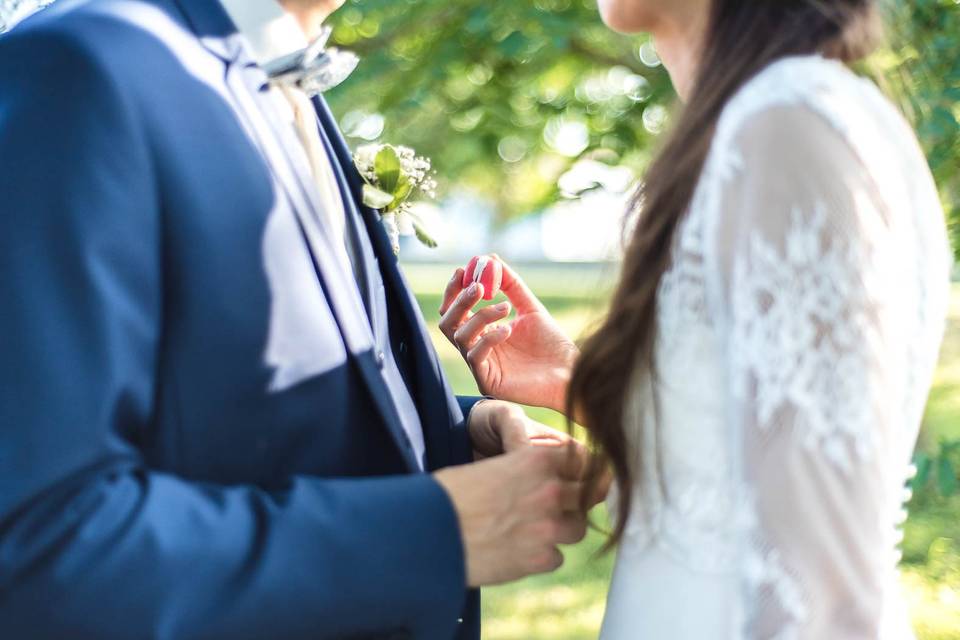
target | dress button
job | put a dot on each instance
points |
(381, 359)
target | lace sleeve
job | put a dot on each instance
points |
(811, 287)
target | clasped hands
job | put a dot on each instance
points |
(525, 495)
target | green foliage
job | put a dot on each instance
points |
(922, 65)
(484, 88)
(938, 470)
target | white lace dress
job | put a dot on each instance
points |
(798, 331)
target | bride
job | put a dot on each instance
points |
(758, 383)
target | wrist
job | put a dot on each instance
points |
(491, 421)
(561, 384)
(476, 422)
(558, 397)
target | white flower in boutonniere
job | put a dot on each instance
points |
(13, 11)
(392, 175)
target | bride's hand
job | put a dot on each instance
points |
(528, 360)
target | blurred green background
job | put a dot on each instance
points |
(507, 97)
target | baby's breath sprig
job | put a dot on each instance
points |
(392, 174)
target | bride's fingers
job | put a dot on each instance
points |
(469, 331)
(454, 287)
(517, 290)
(459, 311)
(541, 432)
(481, 351)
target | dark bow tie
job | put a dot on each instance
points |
(315, 69)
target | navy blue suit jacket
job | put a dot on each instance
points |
(195, 441)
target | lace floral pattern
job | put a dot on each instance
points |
(801, 320)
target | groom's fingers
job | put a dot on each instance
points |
(469, 331)
(601, 489)
(570, 496)
(572, 529)
(568, 461)
(454, 287)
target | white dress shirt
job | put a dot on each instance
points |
(273, 33)
(270, 31)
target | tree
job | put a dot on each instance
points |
(922, 63)
(505, 96)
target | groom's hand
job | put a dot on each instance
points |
(515, 509)
(523, 500)
(497, 427)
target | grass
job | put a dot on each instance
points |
(569, 604)
(943, 410)
(931, 546)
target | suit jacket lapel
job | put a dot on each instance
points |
(354, 225)
(245, 81)
(283, 154)
(432, 393)
(341, 288)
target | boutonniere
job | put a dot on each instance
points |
(392, 176)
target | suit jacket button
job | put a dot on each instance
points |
(381, 359)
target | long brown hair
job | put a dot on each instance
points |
(742, 38)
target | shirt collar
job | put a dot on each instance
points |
(270, 31)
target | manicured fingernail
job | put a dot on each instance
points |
(474, 289)
(503, 306)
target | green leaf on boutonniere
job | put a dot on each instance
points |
(425, 238)
(387, 167)
(403, 190)
(376, 198)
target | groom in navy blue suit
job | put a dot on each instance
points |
(220, 413)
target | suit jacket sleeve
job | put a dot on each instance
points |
(93, 542)
(462, 445)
